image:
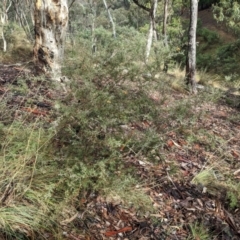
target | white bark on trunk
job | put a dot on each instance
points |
(152, 30)
(28, 33)
(191, 55)
(4, 21)
(110, 18)
(149, 40)
(51, 19)
(154, 17)
(4, 42)
(165, 18)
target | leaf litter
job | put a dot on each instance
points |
(178, 198)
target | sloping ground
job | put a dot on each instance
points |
(180, 204)
(194, 135)
(208, 21)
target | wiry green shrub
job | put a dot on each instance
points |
(209, 36)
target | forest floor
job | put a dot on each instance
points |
(182, 150)
(192, 183)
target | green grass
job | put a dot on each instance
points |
(199, 232)
(46, 166)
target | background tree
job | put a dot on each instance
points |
(110, 18)
(4, 8)
(51, 19)
(165, 19)
(191, 53)
(24, 16)
(152, 24)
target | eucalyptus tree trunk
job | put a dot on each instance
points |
(165, 18)
(191, 53)
(152, 30)
(51, 19)
(4, 42)
(110, 18)
(164, 31)
(149, 40)
(93, 19)
(4, 20)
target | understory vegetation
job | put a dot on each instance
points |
(121, 150)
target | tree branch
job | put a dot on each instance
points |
(142, 6)
(71, 4)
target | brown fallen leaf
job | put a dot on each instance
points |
(35, 111)
(235, 153)
(185, 173)
(146, 124)
(182, 142)
(113, 233)
(73, 237)
(2, 90)
(170, 143)
(171, 134)
(122, 148)
(230, 220)
(83, 200)
(196, 147)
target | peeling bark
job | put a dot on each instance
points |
(51, 20)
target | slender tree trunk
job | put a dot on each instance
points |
(152, 30)
(51, 19)
(93, 10)
(28, 28)
(4, 21)
(4, 42)
(191, 53)
(155, 3)
(149, 40)
(164, 31)
(110, 18)
(94, 46)
(165, 18)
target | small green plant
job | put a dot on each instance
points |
(205, 61)
(233, 199)
(199, 232)
(205, 178)
(209, 36)
(181, 111)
